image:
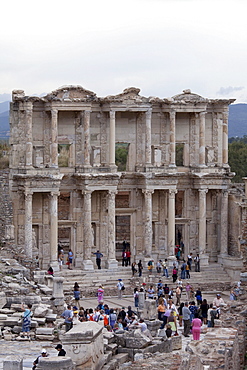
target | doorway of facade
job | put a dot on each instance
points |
(122, 235)
(179, 237)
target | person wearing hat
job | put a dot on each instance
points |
(61, 351)
(218, 302)
(43, 354)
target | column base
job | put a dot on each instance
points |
(87, 265)
(203, 260)
(232, 265)
(55, 266)
(171, 260)
(78, 262)
(112, 264)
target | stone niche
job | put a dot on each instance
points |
(85, 346)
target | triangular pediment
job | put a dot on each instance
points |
(70, 92)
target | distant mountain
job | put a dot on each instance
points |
(237, 120)
(237, 124)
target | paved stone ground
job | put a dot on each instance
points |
(29, 350)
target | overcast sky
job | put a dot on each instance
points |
(160, 46)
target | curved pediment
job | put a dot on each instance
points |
(187, 96)
(71, 93)
(128, 94)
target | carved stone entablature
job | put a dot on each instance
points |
(71, 93)
(96, 182)
(130, 94)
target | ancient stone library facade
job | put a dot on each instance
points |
(171, 188)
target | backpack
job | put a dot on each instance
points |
(166, 290)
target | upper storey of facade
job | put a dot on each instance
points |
(72, 130)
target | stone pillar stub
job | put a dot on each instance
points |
(150, 309)
(85, 346)
(87, 263)
(28, 223)
(13, 362)
(111, 262)
(57, 293)
(56, 363)
(148, 222)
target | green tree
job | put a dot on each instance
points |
(121, 155)
(238, 158)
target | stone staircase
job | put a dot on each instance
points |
(211, 278)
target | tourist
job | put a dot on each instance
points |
(133, 268)
(160, 290)
(128, 256)
(76, 292)
(178, 295)
(198, 296)
(120, 288)
(161, 309)
(193, 310)
(70, 259)
(158, 266)
(90, 315)
(150, 266)
(209, 317)
(180, 314)
(171, 306)
(112, 318)
(166, 291)
(68, 318)
(197, 263)
(81, 314)
(204, 311)
(61, 351)
(122, 314)
(140, 268)
(187, 270)
(192, 293)
(165, 268)
(98, 258)
(136, 297)
(186, 319)
(196, 327)
(124, 258)
(43, 354)
(188, 289)
(50, 271)
(218, 302)
(26, 323)
(168, 331)
(178, 254)
(100, 294)
(214, 315)
(233, 295)
(183, 268)
(60, 259)
(174, 273)
(189, 260)
(150, 292)
(172, 321)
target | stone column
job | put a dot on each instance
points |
(57, 293)
(225, 139)
(29, 134)
(148, 136)
(202, 225)
(171, 221)
(87, 138)
(202, 139)
(112, 138)
(224, 224)
(148, 222)
(87, 263)
(53, 230)
(28, 223)
(54, 145)
(111, 262)
(172, 139)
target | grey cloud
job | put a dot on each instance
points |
(228, 90)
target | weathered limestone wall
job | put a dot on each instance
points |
(6, 215)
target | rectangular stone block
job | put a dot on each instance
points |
(44, 337)
(13, 363)
(44, 331)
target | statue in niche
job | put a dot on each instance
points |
(92, 236)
